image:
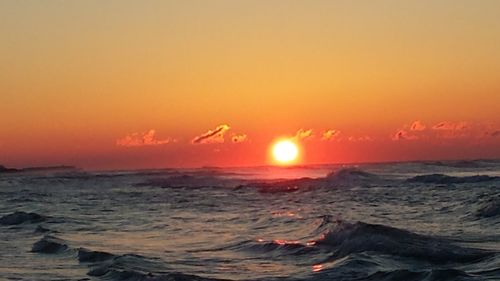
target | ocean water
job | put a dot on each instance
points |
(399, 221)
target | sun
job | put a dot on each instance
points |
(285, 151)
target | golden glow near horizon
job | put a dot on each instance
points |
(285, 152)
(131, 84)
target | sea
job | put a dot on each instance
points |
(427, 220)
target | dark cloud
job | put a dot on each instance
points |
(239, 138)
(212, 136)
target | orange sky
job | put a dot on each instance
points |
(128, 84)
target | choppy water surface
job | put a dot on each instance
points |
(405, 221)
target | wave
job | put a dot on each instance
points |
(342, 177)
(348, 238)
(21, 217)
(85, 255)
(131, 267)
(133, 275)
(191, 181)
(459, 163)
(428, 275)
(490, 208)
(276, 247)
(445, 179)
(42, 229)
(107, 266)
(346, 177)
(343, 239)
(350, 175)
(49, 245)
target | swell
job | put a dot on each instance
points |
(276, 248)
(348, 238)
(130, 267)
(489, 208)
(108, 266)
(445, 179)
(428, 275)
(101, 264)
(191, 181)
(345, 177)
(343, 239)
(21, 217)
(466, 164)
(49, 245)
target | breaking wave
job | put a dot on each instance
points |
(347, 238)
(343, 239)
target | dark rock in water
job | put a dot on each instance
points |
(85, 255)
(21, 217)
(445, 179)
(49, 245)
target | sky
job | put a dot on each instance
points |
(149, 84)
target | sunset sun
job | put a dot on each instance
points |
(285, 151)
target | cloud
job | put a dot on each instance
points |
(492, 133)
(403, 135)
(239, 138)
(142, 139)
(212, 136)
(446, 130)
(451, 126)
(303, 134)
(450, 130)
(329, 135)
(415, 130)
(417, 126)
(358, 139)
